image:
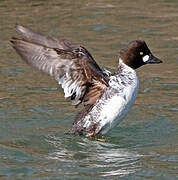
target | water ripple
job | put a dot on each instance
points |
(97, 155)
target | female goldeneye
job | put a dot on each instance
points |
(107, 97)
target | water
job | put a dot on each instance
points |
(34, 114)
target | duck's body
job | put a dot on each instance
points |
(107, 97)
(113, 105)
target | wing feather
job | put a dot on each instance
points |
(37, 38)
(72, 66)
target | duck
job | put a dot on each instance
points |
(106, 97)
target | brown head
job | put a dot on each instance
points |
(137, 54)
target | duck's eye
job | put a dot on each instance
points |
(141, 53)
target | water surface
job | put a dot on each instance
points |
(34, 114)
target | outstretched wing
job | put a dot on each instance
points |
(48, 41)
(72, 66)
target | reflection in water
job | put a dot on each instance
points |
(107, 159)
(31, 106)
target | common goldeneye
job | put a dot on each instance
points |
(107, 97)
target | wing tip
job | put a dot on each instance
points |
(20, 29)
(16, 25)
(13, 41)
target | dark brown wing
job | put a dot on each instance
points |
(72, 66)
(37, 38)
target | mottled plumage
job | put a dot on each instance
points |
(106, 97)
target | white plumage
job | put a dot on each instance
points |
(124, 87)
(106, 97)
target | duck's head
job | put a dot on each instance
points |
(137, 54)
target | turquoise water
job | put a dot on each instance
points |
(34, 115)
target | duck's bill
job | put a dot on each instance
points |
(153, 60)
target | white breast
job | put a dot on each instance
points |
(117, 107)
(115, 102)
